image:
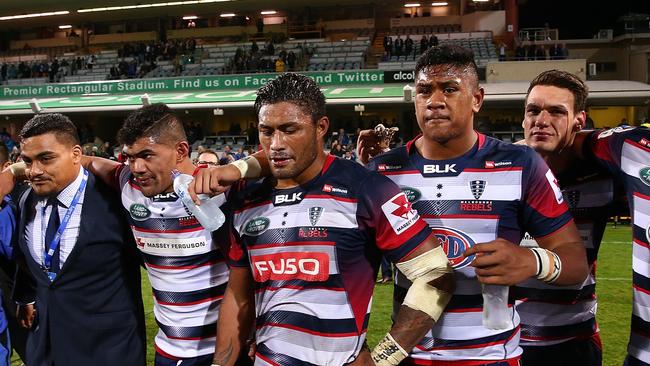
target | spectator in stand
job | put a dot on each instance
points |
(540, 53)
(291, 61)
(279, 65)
(208, 157)
(388, 44)
(424, 44)
(254, 47)
(337, 149)
(343, 138)
(259, 23)
(433, 41)
(502, 51)
(564, 52)
(408, 45)
(253, 134)
(399, 46)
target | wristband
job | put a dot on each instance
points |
(549, 265)
(249, 167)
(388, 352)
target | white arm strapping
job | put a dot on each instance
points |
(421, 270)
(249, 167)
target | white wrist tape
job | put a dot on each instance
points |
(549, 265)
(421, 270)
(388, 352)
(249, 167)
(18, 169)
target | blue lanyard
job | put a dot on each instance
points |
(47, 258)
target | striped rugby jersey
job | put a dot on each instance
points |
(314, 251)
(554, 314)
(187, 272)
(493, 190)
(625, 153)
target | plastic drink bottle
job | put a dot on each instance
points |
(208, 213)
(496, 314)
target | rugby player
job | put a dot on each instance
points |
(306, 245)
(480, 196)
(558, 323)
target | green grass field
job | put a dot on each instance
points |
(614, 273)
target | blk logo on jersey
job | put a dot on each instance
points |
(477, 187)
(439, 169)
(400, 213)
(552, 181)
(454, 243)
(294, 197)
(286, 266)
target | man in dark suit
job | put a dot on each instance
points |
(79, 281)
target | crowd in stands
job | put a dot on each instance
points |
(54, 70)
(263, 59)
(137, 60)
(406, 46)
(539, 52)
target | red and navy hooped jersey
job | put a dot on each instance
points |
(495, 190)
(625, 153)
(187, 271)
(313, 251)
(554, 314)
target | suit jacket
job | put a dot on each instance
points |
(92, 313)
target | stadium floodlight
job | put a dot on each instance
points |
(34, 15)
(190, 17)
(360, 108)
(150, 5)
(36, 108)
(66, 26)
(146, 101)
(439, 3)
(408, 93)
(411, 5)
(218, 112)
(268, 12)
(227, 15)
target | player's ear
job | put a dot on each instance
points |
(579, 121)
(322, 125)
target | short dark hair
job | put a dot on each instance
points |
(295, 89)
(564, 80)
(56, 123)
(156, 121)
(452, 55)
(4, 153)
(208, 151)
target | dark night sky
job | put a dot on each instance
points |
(577, 19)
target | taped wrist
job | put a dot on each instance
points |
(549, 265)
(388, 352)
(420, 271)
(18, 169)
(249, 167)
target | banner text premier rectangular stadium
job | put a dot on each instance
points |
(221, 82)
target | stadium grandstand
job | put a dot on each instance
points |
(98, 60)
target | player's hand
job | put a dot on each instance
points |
(25, 315)
(501, 262)
(363, 359)
(368, 145)
(7, 182)
(213, 181)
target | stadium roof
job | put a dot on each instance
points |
(512, 94)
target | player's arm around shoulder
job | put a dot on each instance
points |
(236, 317)
(102, 168)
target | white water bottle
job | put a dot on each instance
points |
(496, 314)
(208, 213)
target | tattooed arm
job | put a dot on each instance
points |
(236, 317)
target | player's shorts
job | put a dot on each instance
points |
(576, 352)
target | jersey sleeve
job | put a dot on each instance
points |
(229, 240)
(544, 208)
(121, 176)
(396, 226)
(7, 229)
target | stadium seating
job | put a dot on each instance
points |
(338, 55)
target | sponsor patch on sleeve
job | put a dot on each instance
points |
(400, 213)
(555, 186)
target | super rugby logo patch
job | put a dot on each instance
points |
(454, 243)
(400, 213)
(139, 212)
(552, 181)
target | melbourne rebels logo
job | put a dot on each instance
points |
(454, 243)
(477, 187)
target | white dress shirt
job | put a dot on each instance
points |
(36, 237)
